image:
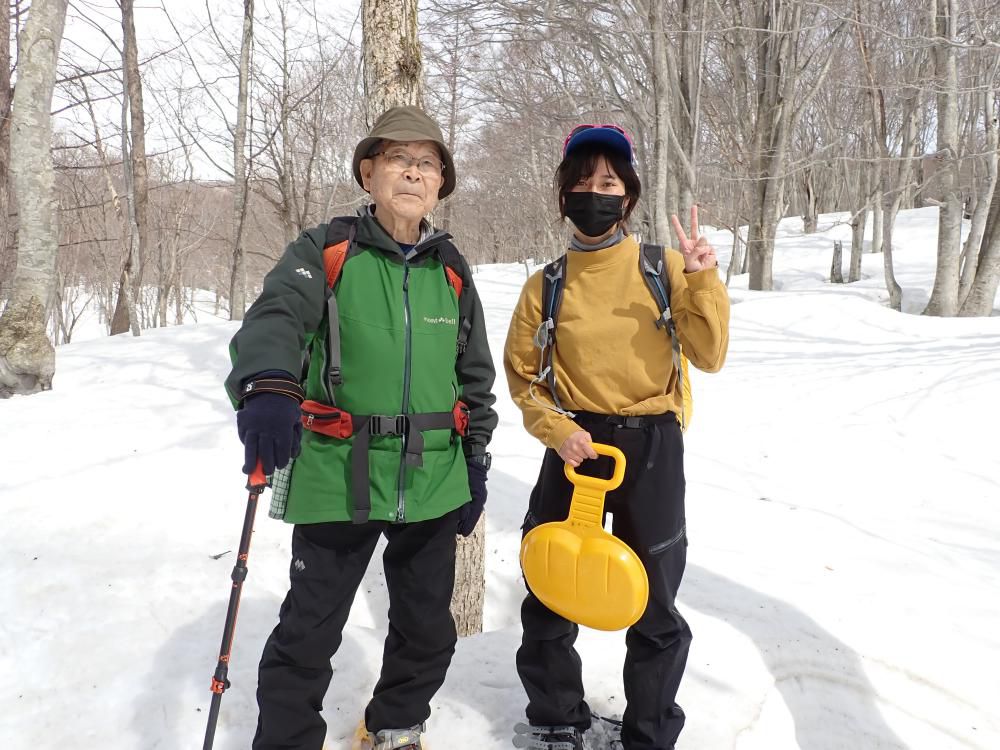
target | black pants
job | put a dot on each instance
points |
(648, 515)
(328, 563)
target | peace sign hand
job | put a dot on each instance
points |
(698, 254)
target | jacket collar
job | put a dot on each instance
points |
(373, 234)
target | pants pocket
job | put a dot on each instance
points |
(661, 547)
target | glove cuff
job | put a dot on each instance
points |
(272, 385)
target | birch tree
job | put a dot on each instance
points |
(136, 177)
(6, 229)
(238, 281)
(27, 357)
(393, 77)
(944, 296)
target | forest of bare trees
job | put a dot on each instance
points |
(183, 165)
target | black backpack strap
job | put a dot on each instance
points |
(340, 229)
(451, 258)
(553, 284)
(653, 265)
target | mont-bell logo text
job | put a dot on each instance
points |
(441, 320)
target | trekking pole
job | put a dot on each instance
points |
(255, 484)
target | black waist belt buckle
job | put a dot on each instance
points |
(381, 424)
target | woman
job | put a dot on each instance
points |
(613, 380)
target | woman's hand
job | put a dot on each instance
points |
(698, 254)
(576, 448)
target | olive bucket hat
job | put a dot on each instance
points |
(406, 125)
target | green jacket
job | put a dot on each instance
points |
(398, 330)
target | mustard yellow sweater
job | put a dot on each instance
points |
(609, 356)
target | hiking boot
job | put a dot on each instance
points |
(388, 739)
(548, 737)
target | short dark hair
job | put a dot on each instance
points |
(582, 161)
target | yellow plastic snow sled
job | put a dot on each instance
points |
(579, 570)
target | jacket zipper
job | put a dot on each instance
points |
(401, 500)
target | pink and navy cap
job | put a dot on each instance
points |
(613, 136)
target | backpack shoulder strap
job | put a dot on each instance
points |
(454, 268)
(458, 274)
(339, 237)
(553, 284)
(653, 265)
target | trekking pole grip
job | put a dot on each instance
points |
(257, 480)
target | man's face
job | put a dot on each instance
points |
(404, 178)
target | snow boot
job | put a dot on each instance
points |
(610, 729)
(547, 737)
(388, 739)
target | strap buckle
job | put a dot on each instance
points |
(381, 424)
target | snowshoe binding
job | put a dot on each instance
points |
(388, 739)
(529, 737)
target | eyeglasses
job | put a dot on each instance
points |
(400, 160)
(610, 126)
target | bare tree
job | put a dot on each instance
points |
(27, 357)
(136, 177)
(238, 282)
(944, 296)
(6, 228)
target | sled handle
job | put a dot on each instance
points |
(583, 481)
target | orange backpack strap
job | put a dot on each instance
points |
(455, 279)
(339, 238)
(333, 261)
(455, 269)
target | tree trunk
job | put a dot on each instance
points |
(27, 357)
(837, 266)
(877, 219)
(660, 200)
(238, 277)
(857, 244)
(810, 220)
(683, 122)
(392, 62)
(136, 179)
(470, 582)
(974, 242)
(6, 225)
(894, 195)
(393, 77)
(775, 79)
(944, 297)
(735, 259)
(984, 289)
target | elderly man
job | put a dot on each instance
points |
(363, 376)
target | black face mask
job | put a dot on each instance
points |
(594, 213)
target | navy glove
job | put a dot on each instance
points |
(472, 510)
(270, 426)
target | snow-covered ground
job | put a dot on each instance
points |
(843, 486)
